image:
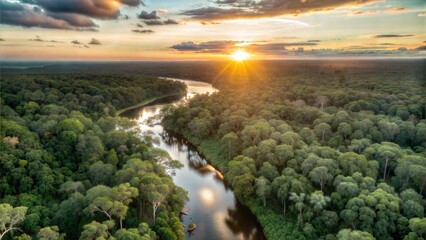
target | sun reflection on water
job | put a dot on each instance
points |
(207, 196)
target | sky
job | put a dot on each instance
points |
(210, 29)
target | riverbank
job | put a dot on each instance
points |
(275, 226)
(144, 103)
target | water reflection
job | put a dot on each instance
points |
(213, 206)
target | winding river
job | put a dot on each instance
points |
(213, 206)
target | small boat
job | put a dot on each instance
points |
(185, 211)
(191, 227)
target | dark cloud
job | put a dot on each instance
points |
(278, 48)
(390, 35)
(95, 42)
(386, 44)
(157, 22)
(206, 47)
(421, 47)
(232, 9)
(73, 19)
(148, 16)
(1, 40)
(139, 25)
(66, 14)
(27, 16)
(314, 41)
(102, 9)
(153, 22)
(142, 31)
(226, 46)
(75, 42)
(170, 22)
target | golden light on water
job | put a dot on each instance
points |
(207, 196)
(240, 55)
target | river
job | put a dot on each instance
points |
(213, 206)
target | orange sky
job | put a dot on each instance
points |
(203, 30)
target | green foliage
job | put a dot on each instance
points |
(65, 158)
(327, 153)
(10, 218)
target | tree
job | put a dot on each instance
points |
(412, 203)
(265, 152)
(112, 202)
(344, 129)
(322, 130)
(50, 233)
(283, 153)
(155, 190)
(321, 101)
(243, 185)
(349, 234)
(231, 140)
(388, 153)
(318, 201)
(299, 204)
(10, 218)
(263, 188)
(321, 176)
(96, 230)
(268, 171)
(101, 173)
(351, 163)
(418, 228)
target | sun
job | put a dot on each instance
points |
(240, 55)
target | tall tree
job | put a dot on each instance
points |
(10, 218)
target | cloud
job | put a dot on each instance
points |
(159, 22)
(162, 10)
(73, 19)
(102, 9)
(95, 42)
(148, 16)
(314, 41)
(13, 13)
(396, 10)
(227, 46)
(390, 35)
(423, 47)
(68, 15)
(210, 23)
(1, 40)
(170, 22)
(421, 14)
(359, 13)
(386, 44)
(142, 31)
(206, 47)
(76, 42)
(278, 48)
(233, 9)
